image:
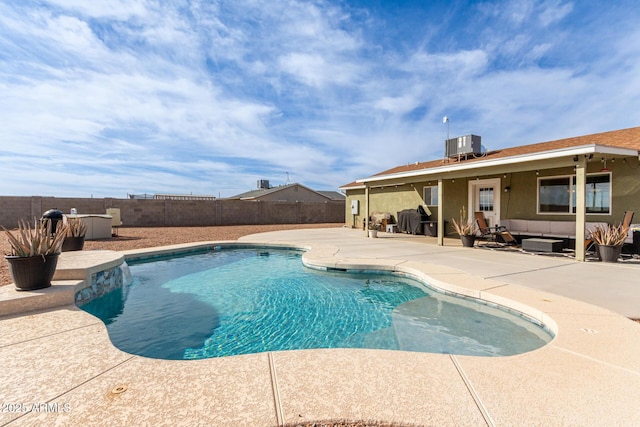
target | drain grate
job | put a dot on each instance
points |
(119, 389)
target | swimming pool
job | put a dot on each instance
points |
(239, 301)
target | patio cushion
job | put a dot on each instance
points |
(562, 229)
(517, 226)
(538, 227)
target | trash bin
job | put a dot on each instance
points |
(53, 215)
(636, 241)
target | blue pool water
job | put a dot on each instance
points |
(240, 301)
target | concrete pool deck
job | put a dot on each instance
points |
(59, 367)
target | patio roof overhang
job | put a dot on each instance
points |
(532, 161)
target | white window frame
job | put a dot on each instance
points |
(432, 201)
(572, 207)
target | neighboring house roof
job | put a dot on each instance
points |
(333, 195)
(182, 197)
(258, 193)
(619, 142)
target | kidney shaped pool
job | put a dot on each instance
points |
(237, 301)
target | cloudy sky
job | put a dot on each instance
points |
(109, 97)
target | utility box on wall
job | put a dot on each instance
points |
(355, 205)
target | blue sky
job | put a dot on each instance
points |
(106, 98)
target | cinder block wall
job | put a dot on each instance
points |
(175, 213)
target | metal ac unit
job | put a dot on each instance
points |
(463, 145)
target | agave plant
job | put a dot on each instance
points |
(610, 235)
(463, 226)
(77, 228)
(31, 241)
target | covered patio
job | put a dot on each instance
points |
(589, 179)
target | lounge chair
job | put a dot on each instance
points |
(626, 221)
(626, 224)
(497, 234)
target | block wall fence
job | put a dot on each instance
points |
(177, 213)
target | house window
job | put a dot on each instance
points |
(558, 194)
(553, 195)
(485, 199)
(598, 194)
(430, 195)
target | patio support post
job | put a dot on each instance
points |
(581, 182)
(366, 208)
(440, 213)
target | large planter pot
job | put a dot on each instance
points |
(468, 241)
(32, 273)
(609, 253)
(72, 244)
(373, 233)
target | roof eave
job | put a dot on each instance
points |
(543, 155)
(353, 187)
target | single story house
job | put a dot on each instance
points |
(288, 193)
(541, 188)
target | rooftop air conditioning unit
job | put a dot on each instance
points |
(263, 184)
(463, 146)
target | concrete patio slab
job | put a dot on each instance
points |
(341, 384)
(554, 387)
(230, 391)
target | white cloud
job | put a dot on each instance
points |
(317, 71)
(554, 11)
(117, 9)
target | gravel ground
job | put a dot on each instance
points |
(147, 237)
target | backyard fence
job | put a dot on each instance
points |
(178, 213)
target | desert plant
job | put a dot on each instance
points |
(463, 226)
(76, 228)
(610, 235)
(37, 240)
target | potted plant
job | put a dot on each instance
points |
(373, 229)
(609, 241)
(76, 232)
(34, 253)
(466, 229)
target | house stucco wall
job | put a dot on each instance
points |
(520, 202)
(393, 199)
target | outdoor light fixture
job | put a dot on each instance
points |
(575, 158)
(537, 172)
(507, 189)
